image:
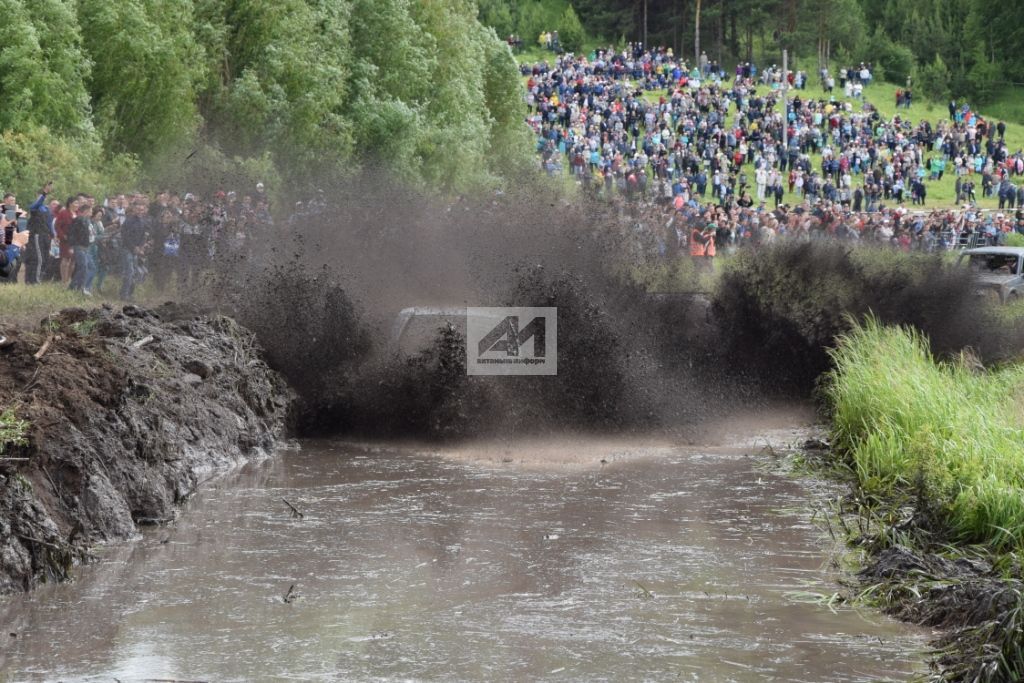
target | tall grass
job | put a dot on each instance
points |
(947, 432)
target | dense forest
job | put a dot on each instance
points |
(102, 94)
(959, 48)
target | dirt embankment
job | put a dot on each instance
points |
(129, 411)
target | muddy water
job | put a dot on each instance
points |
(664, 563)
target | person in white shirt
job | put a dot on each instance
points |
(761, 179)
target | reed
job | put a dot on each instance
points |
(948, 433)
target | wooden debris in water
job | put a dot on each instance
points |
(295, 510)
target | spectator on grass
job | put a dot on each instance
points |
(134, 242)
(78, 240)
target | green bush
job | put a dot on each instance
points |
(34, 155)
(13, 431)
(933, 80)
(892, 62)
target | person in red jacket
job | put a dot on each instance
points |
(62, 227)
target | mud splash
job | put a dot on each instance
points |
(780, 308)
(629, 361)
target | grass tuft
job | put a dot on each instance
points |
(13, 430)
(947, 433)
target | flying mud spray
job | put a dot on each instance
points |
(323, 301)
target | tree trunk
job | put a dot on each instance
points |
(734, 36)
(696, 36)
(677, 21)
(645, 24)
(791, 14)
(720, 34)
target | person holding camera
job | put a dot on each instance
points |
(15, 238)
(11, 251)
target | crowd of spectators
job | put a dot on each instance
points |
(169, 238)
(642, 127)
(724, 229)
(701, 158)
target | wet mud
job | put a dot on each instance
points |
(975, 604)
(129, 411)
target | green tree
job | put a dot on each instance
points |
(498, 15)
(612, 18)
(933, 79)
(391, 83)
(986, 77)
(282, 84)
(33, 155)
(571, 35)
(832, 25)
(300, 91)
(42, 68)
(456, 121)
(509, 151)
(146, 66)
(891, 61)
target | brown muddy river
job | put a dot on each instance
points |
(665, 563)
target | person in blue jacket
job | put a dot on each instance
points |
(40, 229)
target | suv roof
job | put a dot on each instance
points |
(993, 251)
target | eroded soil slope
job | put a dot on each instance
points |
(129, 411)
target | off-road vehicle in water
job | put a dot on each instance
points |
(999, 271)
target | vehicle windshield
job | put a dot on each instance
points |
(994, 264)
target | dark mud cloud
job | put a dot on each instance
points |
(779, 309)
(324, 301)
(324, 298)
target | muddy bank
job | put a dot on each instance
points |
(974, 602)
(128, 411)
(914, 568)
